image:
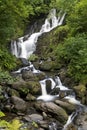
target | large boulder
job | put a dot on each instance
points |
(53, 110)
(67, 106)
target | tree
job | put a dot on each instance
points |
(77, 20)
(13, 15)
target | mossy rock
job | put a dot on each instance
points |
(34, 87)
(21, 86)
(81, 92)
(46, 65)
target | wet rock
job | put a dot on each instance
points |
(48, 86)
(24, 61)
(19, 104)
(55, 91)
(54, 110)
(41, 75)
(67, 106)
(33, 117)
(62, 94)
(29, 76)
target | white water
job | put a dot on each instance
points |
(28, 68)
(45, 96)
(71, 99)
(70, 119)
(23, 49)
(59, 84)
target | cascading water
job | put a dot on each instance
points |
(23, 49)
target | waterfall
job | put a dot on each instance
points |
(46, 96)
(23, 49)
(59, 84)
(70, 119)
(43, 87)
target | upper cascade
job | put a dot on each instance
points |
(23, 49)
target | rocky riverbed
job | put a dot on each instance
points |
(20, 98)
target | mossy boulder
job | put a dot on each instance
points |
(13, 92)
(21, 86)
(46, 65)
(25, 87)
(53, 110)
(29, 76)
(81, 92)
(34, 87)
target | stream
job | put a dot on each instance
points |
(23, 49)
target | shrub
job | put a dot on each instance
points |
(7, 61)
(5, 77)
(74, 54)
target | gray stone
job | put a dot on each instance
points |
(33, 117)
(53, 109)
(19, 104)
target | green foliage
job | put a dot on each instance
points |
(77, 19)
(5, 77)
(40, 7)
(7, 61)
(14, 125)
(1, 114)
(13, 16)
(35, 124)
(73, 53)
(33, 57)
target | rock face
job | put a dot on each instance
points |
(56, 111)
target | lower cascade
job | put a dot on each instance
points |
(55, 98)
